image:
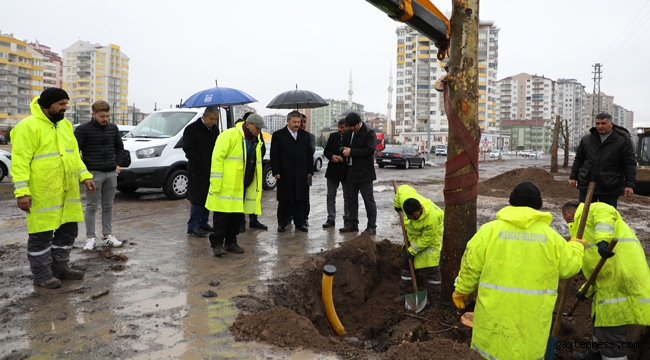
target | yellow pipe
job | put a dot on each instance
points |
(326, 289)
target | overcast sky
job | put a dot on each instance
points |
(266, 47)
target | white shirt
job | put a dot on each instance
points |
(293, 133)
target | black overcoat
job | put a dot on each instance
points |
(293, 160)
(335, 171)
(198, 143)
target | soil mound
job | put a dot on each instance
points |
(502, 185)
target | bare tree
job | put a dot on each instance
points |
(557, 127)
(565, 136)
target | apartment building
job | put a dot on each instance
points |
(571, 97)
(592, 108)
(274, 122)
(93, 72)
(21, 78)
(419, 108)
(530, 134)
(52, 65)
(327, 116)
(621, 117)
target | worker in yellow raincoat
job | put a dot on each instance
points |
(46, 170)
(424, 227)
(515, 262)
(621, 294)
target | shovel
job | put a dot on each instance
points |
(418, 300)
(552, 340)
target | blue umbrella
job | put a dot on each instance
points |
(218, 96)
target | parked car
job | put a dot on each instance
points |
(318, 158)
(496, 154)
(5, 163)
(400, 156)
(441, 150)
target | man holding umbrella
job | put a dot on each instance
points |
(198, 141)
(235, 182)
(292, 164)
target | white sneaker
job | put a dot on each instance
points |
(90, 244)
(111, 241)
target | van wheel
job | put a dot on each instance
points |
(269, 182)
(318, 165)
(175, 186)
(127, 189)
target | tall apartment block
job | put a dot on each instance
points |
(93, 72)
(419, 107)
(52, 65)
(623, 117)
(592, 109)
(571, 97)
(21, 78)
(328, 116)
(274, 122)
(528, 97)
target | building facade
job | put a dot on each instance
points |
(621, 118)
(571, 108)
(93, 72)
(327, 116)
(21, 78)
(420, 119)
(528, 134)
(274, 122)
(52, 65)
(592, 109)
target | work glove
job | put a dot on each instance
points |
(580, 296)
(459, 299)
(407, 256)
(584, 244)
(602, 250)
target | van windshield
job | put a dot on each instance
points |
(162, 124)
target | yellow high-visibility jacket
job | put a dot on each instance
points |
(621, 293)
(46, 165)
(516, 262)
(227, 193)
(425, 233)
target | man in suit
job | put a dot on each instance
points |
(292, 164)
(198, 141)
(359, 144)
(335, 175)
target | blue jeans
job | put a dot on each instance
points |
(199, 216)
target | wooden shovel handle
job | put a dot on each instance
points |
(567, 285)
(592, 278)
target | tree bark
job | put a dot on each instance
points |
(460, 219)
(557, 127)
(565, 135)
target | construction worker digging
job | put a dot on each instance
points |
(424, 227)
(515, 262)
(621, 293)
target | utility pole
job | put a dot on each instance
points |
(461, 106)
(595, 100)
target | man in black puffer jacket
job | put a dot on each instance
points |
(101, 149)
(606, 157)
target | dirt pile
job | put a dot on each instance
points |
(502, 185)
(289, 312)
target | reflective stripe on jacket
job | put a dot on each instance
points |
(515, 262)
(226, 193)
(425, 233)
(46, 165)
(621, 293)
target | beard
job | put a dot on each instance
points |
(56, 116)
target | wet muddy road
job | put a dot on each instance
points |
(155, 308)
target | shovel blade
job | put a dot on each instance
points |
(416, 302)
(550, 348)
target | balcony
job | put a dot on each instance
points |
(83, 55)
(83, 72)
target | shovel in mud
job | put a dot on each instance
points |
(418, 300)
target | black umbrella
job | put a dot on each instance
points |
(297, 99)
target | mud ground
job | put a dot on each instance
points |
(154, 308)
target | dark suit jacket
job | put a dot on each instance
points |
(198, 143)
(293, 160)
(335, 171)
(362, 153)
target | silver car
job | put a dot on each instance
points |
(5, 163)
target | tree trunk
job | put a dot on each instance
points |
(557, 127)
(461, 169)
(565, 135)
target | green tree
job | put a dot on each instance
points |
(321, 141)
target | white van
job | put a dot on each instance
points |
(154, 156)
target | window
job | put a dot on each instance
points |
(423, 87)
